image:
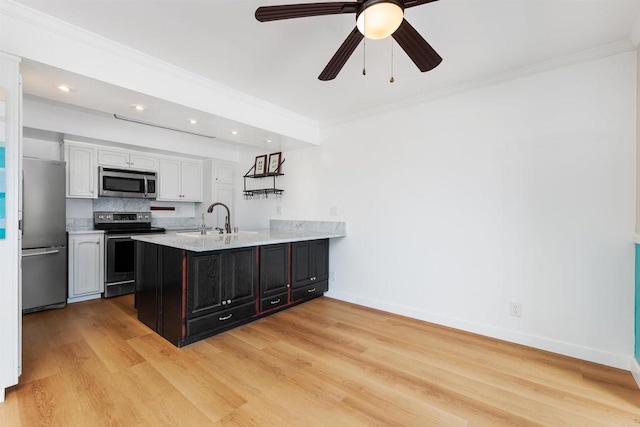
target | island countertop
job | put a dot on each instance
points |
(214, 242)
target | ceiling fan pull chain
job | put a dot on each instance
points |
(391, 80)
(364, 47)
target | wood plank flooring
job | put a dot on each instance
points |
(322, 363)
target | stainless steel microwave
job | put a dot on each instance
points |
(127, 183)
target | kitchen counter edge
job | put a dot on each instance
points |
(214, 242)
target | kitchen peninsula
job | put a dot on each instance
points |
(190, 286)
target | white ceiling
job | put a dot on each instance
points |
(279, 61)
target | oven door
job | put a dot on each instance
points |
(119, 254)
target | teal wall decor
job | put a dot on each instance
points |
(3, 173)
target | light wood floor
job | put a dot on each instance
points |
(324, 362)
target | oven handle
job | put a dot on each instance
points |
(121, 237)
(146, 186)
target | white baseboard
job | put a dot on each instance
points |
(572, 350)
(83, 298)
(635, 370)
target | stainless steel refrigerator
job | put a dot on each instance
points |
(44, 236)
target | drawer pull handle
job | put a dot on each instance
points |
(275, 301)
(311, 290)
(226, 317)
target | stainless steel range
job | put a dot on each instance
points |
(120, 248)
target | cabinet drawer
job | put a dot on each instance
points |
(310, 291)
(220, 319)
(273, 302)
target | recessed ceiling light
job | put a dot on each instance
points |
(138, 107)
(64, 88)
(193, 121)
(234, 132)
(267, 140)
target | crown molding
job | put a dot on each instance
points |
(634, 35)
(32, 17)
(616, 48)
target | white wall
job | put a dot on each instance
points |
(523, 191)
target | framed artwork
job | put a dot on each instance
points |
(260, 167)
(274, 162)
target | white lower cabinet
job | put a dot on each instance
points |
(86, 265)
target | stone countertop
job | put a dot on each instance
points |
(242, 239)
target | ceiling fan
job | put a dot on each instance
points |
(375, 19)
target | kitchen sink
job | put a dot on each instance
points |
(212, 233)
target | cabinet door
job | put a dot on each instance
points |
(205, 284)
(87, 265)
(320, 260)
(169, 180)
(82, 172)
(223, 173)
(240, 275)
(119, 159)
(143, 162)
(300, 264)
(191, 181)
(309, 262)
(274, 269)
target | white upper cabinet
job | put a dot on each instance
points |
(82, 170)
(180, 180)
(223, 173)
(124, 159)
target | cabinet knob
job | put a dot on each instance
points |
(288, 285)
(98, 242)
(228, 301)
(224, 302)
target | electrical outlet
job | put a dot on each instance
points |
(332, 276)
(279, 210)
(516, 309)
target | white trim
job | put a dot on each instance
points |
(572, 350)
(615, 48)
(83, 298)
(189, 89)
(4, 55)
(635, 370)
(634, 35)
(2, 392)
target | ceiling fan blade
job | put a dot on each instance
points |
(288, 11)
(341, 56)
(412, 3)
(417, 48)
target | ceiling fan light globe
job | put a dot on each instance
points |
(380, 20)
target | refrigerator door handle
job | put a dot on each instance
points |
(45, 252)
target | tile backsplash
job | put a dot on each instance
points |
(80, 212)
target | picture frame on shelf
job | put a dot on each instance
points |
(274, 163)
(260, 166)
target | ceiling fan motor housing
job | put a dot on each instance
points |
(382, 19)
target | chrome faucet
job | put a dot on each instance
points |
(227, 225)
